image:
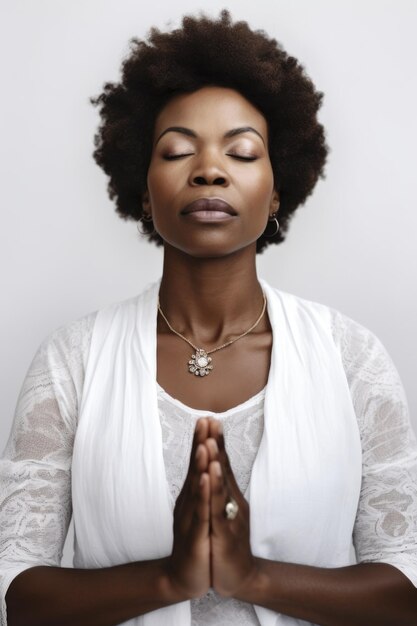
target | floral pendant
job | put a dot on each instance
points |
(200, 363)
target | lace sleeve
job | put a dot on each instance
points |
(35, 485)
(386, 523)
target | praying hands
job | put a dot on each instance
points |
(211, 522)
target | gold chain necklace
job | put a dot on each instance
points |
(200, 363)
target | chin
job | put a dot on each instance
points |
(214, 251)
(211, 245)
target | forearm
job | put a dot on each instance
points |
(368, 594)
(47, 596)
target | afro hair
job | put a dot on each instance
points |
(202, 52)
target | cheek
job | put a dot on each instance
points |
(262, 186)
(161, 189)
(260, 174)
(161, 186)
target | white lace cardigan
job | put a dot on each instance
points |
(35, 471)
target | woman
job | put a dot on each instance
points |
(211, 134)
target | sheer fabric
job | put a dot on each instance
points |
(35, 471)
(306, 477)
(242, 427)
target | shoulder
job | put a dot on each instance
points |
(68, 343)
(345, 330)
(362, 352)
(375, 385)
(290, 301)
(72, 341)
(294, 311)
(58, 367)
(148, 297)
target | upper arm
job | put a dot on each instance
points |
(386, 523)
(35, 468)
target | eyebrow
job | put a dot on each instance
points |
(190, 133)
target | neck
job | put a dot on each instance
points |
(206, 299)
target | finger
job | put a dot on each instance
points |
(200, 435)
(192, 477)
(212, 449)
(217, 431)
(201, 460)
(201, 465)
(218, 496)
(191, 493)
(215, 427)
(203, 506)
(199, 526)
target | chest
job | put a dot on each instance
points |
(239, 372)
(306, 476)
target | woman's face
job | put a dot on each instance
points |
(210, 186)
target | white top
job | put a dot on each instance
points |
(305, 482)
(242, 427)
(35, 472)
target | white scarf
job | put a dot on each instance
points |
(305, 481)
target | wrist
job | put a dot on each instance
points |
(166, 584)
(256, 583)
(171, 586)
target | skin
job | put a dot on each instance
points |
(210, 293)
(212, 265)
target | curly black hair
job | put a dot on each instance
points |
(202, 52)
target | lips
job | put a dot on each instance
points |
(208, 204)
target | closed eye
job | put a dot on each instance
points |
(173, 157)
(240, 157)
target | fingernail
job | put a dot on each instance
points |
(217, 469)
(220, 427)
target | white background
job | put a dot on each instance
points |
(64, 252)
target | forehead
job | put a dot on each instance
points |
(211, 109)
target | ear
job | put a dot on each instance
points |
(146, 203)
(274, 206)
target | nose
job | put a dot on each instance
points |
(206, 180)
(208, 171)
